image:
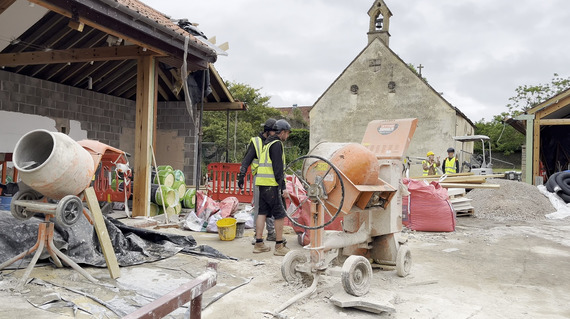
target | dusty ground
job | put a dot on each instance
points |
(485, 269)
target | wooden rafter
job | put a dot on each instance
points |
(36, 70)
(554, 121)
(557, 105)
(111, 78)
(74, 55)
(96, 14)
(224, 106)
(167, 81)
(127, 86)
(120, 81)
(5, 4)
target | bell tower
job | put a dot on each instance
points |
(379, 22)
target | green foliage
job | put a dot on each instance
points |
(297, 145)
(413, 68)
(300, 139)
(504, 138)
(529, 96)
(243, 125)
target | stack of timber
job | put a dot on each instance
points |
(457, 184)
(462, 180)
(460, 203)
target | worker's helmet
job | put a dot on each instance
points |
(268, 125)
(430, 153)
(281, 125)
(451, 150)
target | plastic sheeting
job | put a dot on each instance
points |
(80, 243)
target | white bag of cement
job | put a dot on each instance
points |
(245, 216)
(192, 222)
(212, 226)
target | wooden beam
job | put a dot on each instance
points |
(535, 150)
(144, 128)
(224, 106)
(551, 105)
(5, 4)
(554, 122)
(462, 185)
(98, 15)
(102, 233)
(166, 80)
(74, 55)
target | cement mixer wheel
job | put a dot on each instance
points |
(68, 210)
(291, 212)
(19, 212)
(289, 271)
(403, 261)
(356, 275)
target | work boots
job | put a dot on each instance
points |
(271, 237)
(260, 248)
(281, 250)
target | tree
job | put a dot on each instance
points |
(504, 138)
(529, 96)
(243, 125)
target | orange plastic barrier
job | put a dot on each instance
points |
(223, 182)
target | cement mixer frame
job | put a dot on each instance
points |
(370, 205)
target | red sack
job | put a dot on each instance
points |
(205, 206)
(228, 206)
(297, 195)
(430, 209)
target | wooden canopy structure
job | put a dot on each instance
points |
(121, 48)
(547, 130)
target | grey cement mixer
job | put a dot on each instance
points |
(56, 168)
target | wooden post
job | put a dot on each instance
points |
(144, 128)
(536, 151)
(102, 233)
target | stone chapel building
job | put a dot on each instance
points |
(378, 85)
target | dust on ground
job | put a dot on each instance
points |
(492, 266)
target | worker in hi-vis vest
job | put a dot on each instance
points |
(272, 189)
(252, 158)
(430, 165)
(450, 163)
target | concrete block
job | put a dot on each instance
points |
(42, 110)
(48, 85)
(375, 301)
(34, 100)
(27, 108)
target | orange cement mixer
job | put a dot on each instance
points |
(361, 183)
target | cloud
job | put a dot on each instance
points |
(474, 51)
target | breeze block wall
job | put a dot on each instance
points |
(105, 118)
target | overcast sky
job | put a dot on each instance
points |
(474, 51)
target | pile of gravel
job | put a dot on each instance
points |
(512, 201)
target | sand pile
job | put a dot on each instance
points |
(513, 201)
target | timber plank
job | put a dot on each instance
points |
(102, 233)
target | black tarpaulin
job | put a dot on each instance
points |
(80, 243)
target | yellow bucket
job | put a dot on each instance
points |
(227, 228)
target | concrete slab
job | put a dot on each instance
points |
(375, 301)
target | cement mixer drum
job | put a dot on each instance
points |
(355, 161)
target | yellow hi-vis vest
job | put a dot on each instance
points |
(450, 166)
(258, 145)
(265, 175)
(426, 172)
